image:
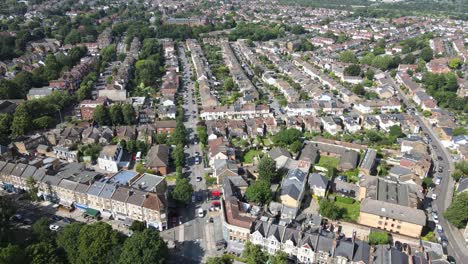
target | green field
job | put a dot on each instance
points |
(326, 161)
(249, 155)
(351, 210)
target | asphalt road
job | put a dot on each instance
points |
(195, 237)
(456, 246)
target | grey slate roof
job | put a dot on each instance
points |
(96, 188)
(136, 197)
(293, 183)
(316, 179)
(395, 211)
(309, 153)
(120, 194)
(309, 239)
(344, 248)
(260, 226)
(158, 156)
(278, 152)
(82, 188)
(107, 191)
(349, 158)
(147, 182)
(276, 231)
(19, 169)
(385, 255)
(39, 174)
(292, 234)
(51, 180)
(67, 184)
(325, 244)
(28, 172)
(361, 252)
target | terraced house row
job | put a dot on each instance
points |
(125, 196)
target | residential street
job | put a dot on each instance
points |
(196, 237)
(444, 190)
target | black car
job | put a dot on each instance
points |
(439, 158)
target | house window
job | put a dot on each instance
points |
(398, 227)
(380, 222)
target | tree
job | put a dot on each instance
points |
(426, 54)
(178, 155)
(378, 238)
(43, 122)
(161, 138)
(267, 169)
(457, 213)
(253, 254)
(109, 53)
(296, 146)
(287, 136)
(32, 188)
(224, 259)
(297, 30)
(182, 191)
(67, 240)
(97, 243)
(457, 131)
(115, 113)
(41, 230)
(5, 128)
(43, 253)
(128, 114)
(348, 57)
(358, 89)
(137, 226)
(259, 192)
(280, 257)
(455, 63)
(395, 132)
(352, 70)
(147, 72)
(330, 210)
(12, 254)
(101, 115)
(145, 247)
(6, 211)
(21, 121)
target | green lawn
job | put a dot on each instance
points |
(249, 155)
(351, 210)
(326, 161)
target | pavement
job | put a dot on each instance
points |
(456, 246)
(195, 237)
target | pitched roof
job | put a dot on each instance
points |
(154, 202)
(293, 184)
(318, 180)
(158, 156)
(278, 152)
(394, 211)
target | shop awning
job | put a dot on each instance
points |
(92, 212)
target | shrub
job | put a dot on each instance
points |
(345, 200)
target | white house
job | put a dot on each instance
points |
(110, 157)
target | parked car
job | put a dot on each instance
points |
(438, 180)
(436, 218)
(54, 228)
(199, 179)
(201, 212)
(434, 196)
(439, 228)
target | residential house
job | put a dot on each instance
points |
(157, 159)
(224, 168)
(110, 157)
(318, 184)
(293, 188)
(155, 211)
(165, 126)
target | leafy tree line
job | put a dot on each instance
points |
(257, 31)
(38, 114)
(115, 115)
(443, 87)
(76, 243)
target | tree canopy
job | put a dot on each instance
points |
(144, 247)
